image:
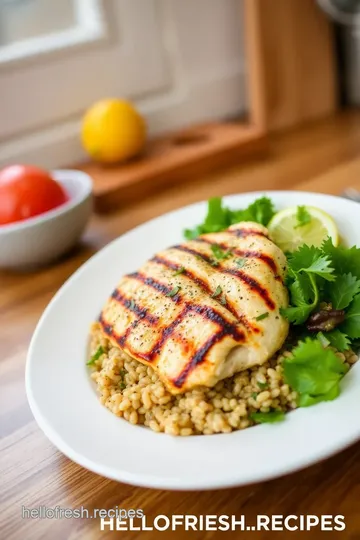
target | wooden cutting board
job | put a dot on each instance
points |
(180, 157)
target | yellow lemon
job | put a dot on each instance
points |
(113, 131)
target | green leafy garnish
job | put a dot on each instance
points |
(344, 260)
(338, 340)
(96, 356)
(132, 304)
(302, 216)
(220, 217)
(217, 291)
(122, 386)
(220, 253)
(311, 260)
(263, 385)
(323, 339)
(262, 316)
(308, 269)
(268, 418)
(174, 291)
(254, 395)
(351, 325)
(343, 290)
(180, 270)
(313, 372)
(240, 263)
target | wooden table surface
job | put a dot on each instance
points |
(320, 157)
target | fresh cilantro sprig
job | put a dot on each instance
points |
(302, 216)
(219, 217)
(308, 269)
(314, 372)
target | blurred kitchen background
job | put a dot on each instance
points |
(181, 61)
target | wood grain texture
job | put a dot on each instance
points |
(292, 66)
(317, 158)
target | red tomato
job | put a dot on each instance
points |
(27, 191)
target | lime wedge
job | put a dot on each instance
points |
(288, 233)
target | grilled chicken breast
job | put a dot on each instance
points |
(203, 310)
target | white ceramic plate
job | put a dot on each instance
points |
(67, 409)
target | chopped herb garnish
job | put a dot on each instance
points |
(174, 291)
(132, 305)
(180, 270)
(240, 262)
(254, 395)
(302, 216)
(218, 291)
(263, 385)
(220, 253)
(223, 301)
(95, 356)
(123, 372)
(262, 316)
(267, 417)
(122, 386)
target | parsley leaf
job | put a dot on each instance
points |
(96, 356)
(191, 234)
(174, 291)
(344, 260)
(343, 290)
(308, 267)
(296, 314)
(338, 339)
(314, 372)
(305, 400)
(311, 260)
(262, 316)
(303, 217)
(267, 418)
(217, 292)
(263, 385)
(220, 253)
(220, 217)
(260, 211)
(180, 270)
(240, 263)
(351, 325)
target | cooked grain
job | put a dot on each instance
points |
(135, 392)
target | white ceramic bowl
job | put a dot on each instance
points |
(42, 239)
(65, 405)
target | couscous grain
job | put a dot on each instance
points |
(134, 391)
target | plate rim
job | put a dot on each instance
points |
(148, 480)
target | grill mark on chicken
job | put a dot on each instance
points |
(160, 287)
(244, 233)
(129, 304)
(198, 358)
(226, 328)
(204, 286)
(269, 261)
(249, 281)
